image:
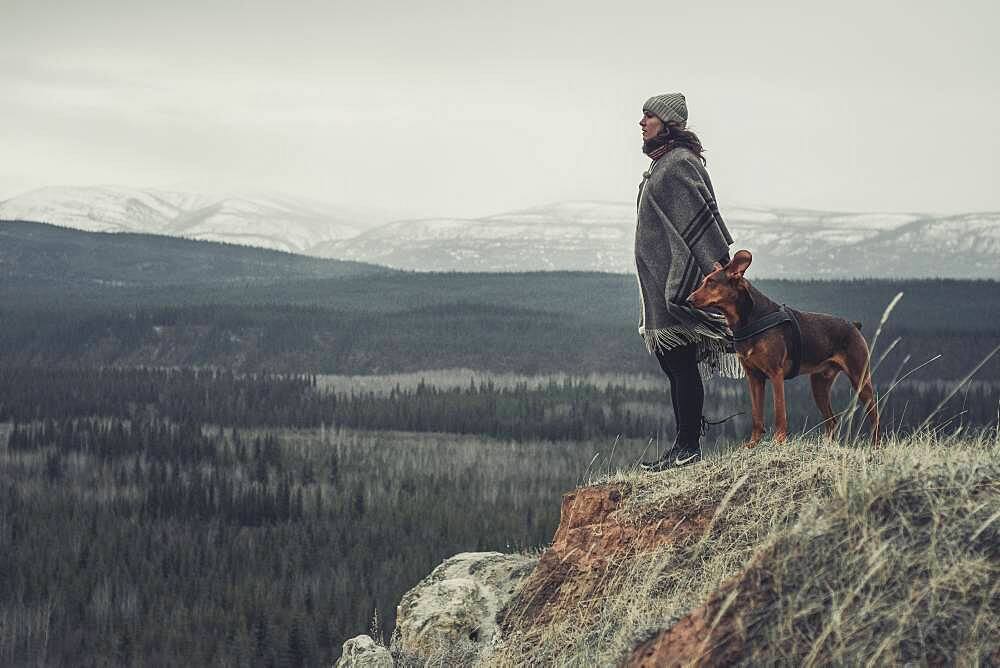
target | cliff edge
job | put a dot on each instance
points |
(805, 553)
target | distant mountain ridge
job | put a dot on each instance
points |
(575, 235)
(269, 221)
(598, 236)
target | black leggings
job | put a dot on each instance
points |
(686, 391)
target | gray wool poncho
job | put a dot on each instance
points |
(679, 235)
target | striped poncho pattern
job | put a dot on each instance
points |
(679, 236)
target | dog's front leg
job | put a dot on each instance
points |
(756, 381)
(780, 414)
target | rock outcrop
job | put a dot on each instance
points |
(363, 652)
(457, 603)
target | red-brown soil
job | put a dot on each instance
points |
(716, 633)
(593, 539)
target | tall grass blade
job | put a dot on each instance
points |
(867, 370)
(957, 387)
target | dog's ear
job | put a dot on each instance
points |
(739, 264)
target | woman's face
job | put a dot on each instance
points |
(650, 124)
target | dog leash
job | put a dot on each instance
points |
(705, 423)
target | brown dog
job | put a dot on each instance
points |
(827, 346)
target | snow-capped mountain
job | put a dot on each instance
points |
(578, 235)
(795, 244)
(598, 236)
(567, 235)
(275, 222)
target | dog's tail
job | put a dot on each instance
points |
(857, 324)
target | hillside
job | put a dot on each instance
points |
(804, 554)
(409, 323)
(44, 264)
(85, 298)
(33, 254)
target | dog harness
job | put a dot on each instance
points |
(779, 317)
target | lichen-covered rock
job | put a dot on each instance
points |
(458, 602)
(362, 652)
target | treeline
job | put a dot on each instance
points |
(576, 297)
(568, 410)
(201, 396)
(572, 410)
(526, 323)
(147, 541)
(576, 411)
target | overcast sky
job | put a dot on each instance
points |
(470, 108)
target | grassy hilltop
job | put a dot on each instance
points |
(802, 554)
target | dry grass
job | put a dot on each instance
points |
(876, 558)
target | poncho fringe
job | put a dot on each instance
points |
(715, 355)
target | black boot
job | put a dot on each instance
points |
(688, 450)
(657, 465)
(667, 460)
(687, 453)
(663, 463)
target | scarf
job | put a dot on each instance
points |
(657, 147)
(679, 235)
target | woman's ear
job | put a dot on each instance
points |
(739, 264)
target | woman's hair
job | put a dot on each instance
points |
(683, 138)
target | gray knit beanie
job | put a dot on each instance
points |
(668, 107)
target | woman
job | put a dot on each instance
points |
(679, 236)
